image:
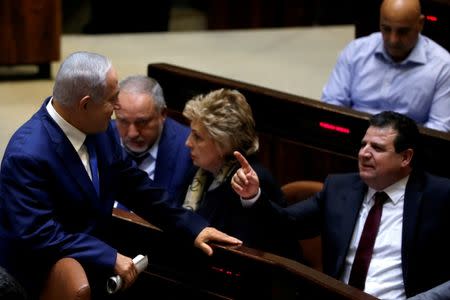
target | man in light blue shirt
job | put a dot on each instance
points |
(396, 69)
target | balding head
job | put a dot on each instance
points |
(400, 23)
(402, 9)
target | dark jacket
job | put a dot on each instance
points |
(333, 213)
(49, 208)
(223, 209)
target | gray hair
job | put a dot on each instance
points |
(81, 74)
(140, 84)
(227, 118)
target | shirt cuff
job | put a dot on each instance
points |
(251, 201)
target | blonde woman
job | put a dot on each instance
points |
(221, 123)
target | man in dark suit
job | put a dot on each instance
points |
(155, 141)
(409, 253)
(60, 174)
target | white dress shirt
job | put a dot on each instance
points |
(149, 164)
(385, 276)
(75, 136)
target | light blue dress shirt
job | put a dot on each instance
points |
(366, 79)
(440, 292)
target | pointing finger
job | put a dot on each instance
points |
(244, 163)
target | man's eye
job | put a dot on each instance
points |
(377, 149)
(403, 31)
(141, 123)
(122, 122)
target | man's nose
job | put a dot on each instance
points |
(188, 142)
(364, 151)
(133, 131)
(394, 37)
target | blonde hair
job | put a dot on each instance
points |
(228, 119)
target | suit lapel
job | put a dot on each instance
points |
(67, 154)
(349, 210)
(103, 165)
(75, 168)
(166, 155)
(412, 201)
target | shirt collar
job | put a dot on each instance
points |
(75, 136)
(395, 191)
(417, 55)
(154, 149)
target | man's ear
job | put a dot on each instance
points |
(407, 156)
(83, 103)
(421, 23)
(164, 112)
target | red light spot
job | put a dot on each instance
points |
(431, 18)
(217, 269)
(224, 271)
(332, 127)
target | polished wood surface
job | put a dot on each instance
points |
(30, 32)
(178, 270)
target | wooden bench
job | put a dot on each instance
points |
(180, 271)
(301, 138)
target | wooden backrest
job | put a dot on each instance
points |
(180, 271)
(66, 281)
(10, 288)
(300, 138)
(298, 191)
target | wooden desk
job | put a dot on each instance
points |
(178, 272)
(30, 33)
(300, 138)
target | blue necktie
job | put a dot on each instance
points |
(140, 158)
(89, 142)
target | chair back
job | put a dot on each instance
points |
(9, 287)
(298, 191)
(67, 280)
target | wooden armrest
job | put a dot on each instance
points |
(66, 281)
(130, 216)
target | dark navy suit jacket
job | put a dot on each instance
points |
(49, 208)
(223, 209)
(173, 163)
(333, 213)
